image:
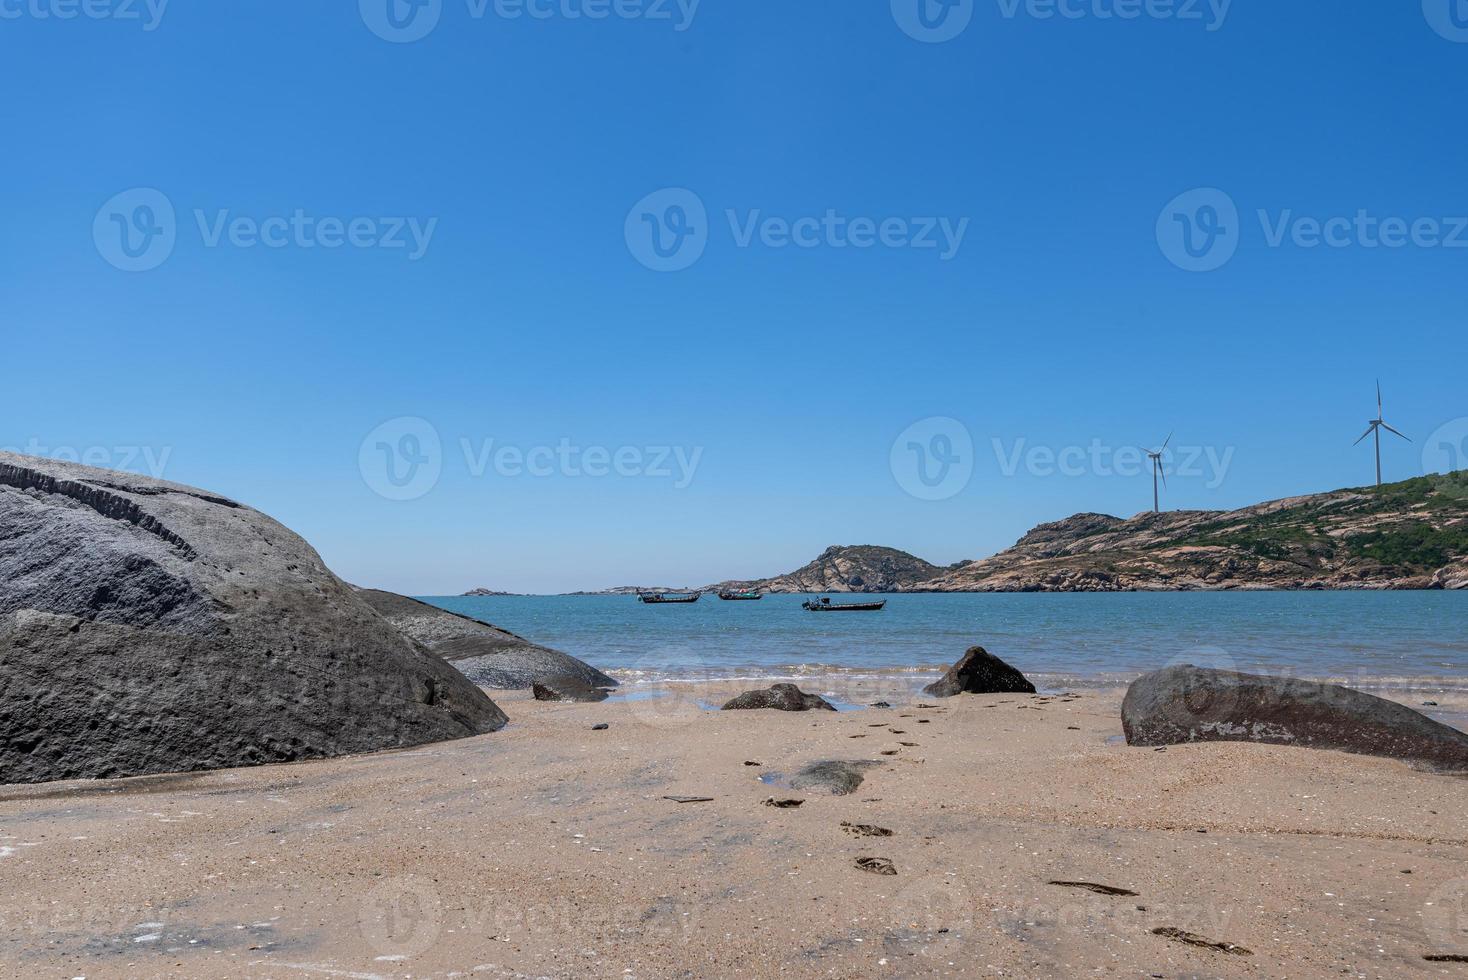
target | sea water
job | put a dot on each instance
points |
(1371, 640)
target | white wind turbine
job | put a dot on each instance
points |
(1157, 472)
(1374, 427)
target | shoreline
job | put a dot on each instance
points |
(552, 850)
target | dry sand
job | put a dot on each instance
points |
(550, 850)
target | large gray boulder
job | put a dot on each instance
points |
(151, 627)
(487, 655)
(1196, 704)
(979, 672)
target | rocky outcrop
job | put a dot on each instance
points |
(861, 568)
(1195, 704)
(487, 655)
(980, 672)
(150, 627)
(780, 697)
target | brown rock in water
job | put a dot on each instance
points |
(780, 697)
(150, 627)
(1195, 704)
(980, 672)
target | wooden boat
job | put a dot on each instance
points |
(746, 596)
(826, 605)
(657, 597)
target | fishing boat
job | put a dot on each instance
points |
(826, 605)
(748, 595)
(658, 597)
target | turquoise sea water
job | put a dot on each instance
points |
(1417, 640)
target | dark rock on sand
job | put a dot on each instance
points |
(149, 627)
(876, 865)
(1091, 886)
(783, 804)
(600, 728)
(865, 829)
(567, 689)
(833, 776)
(780, 697)
(1193, 939)
(1195, 704)
(979, 672)
(484, 653)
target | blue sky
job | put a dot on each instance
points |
(529, 152)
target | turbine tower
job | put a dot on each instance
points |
(1157, 472)
(1374, 427)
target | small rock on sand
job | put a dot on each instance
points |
(833, 776)
(876, 865)
(780, 697)
(567, 689)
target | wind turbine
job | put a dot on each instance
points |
(1374, 428)
(1156, 472)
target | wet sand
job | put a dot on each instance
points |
(551, 850)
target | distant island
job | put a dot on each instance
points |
(1408, 535)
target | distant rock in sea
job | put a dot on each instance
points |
(487, 655)
(150, 627)
(1196, 704)
(481, 593)
(980, 672)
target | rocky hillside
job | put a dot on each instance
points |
(861, 568)
(1409, 535)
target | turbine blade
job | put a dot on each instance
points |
(1378, 398)
(1368, 431)
(1393, 431)
(1164, 445)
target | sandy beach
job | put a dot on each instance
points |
(551, 849)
